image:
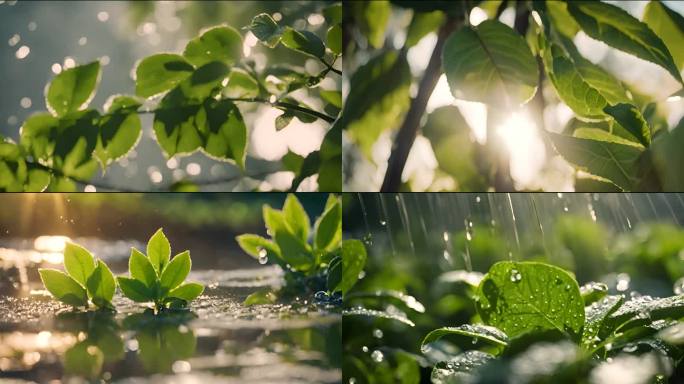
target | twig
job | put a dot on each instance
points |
(409, 128)
(330, 66)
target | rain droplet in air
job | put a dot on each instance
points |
(22, 52)
(377, 356)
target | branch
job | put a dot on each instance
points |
(409, 128)
(330, 66)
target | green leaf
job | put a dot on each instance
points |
(159, 73)
(224, 131)
(265, 29)
(353, 261)
(260, 297)
(333, 13)
(141, 269)
(159, 251)
(292, 161)
(668, 157)
(303, 41)
(293, 251)
(334, 39)
(101, 285)
(296, 218)
(334, 273)
(490, 63)
(78, 262)
(669, 26)
(460, 368)
(241, 85)
(629, 117)
(120, 129)
(187, 291)
(63, 287)
(596, 313)
(477, 331)
(176, 272)
(617, 162)
(274, 220)
(328, 227)
(38, 180)
(72, 89)
(372, 18)
(519, 297)
(184, 186)
(368, 109)
(649, 307)
(254, 245)
(617, 28)
(332, 97)
(593, 292)
(217, 44)
(372, 313)
(561, 19)
(135, 290)
(421, 25)
(83, 360)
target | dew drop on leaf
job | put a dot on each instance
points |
(515, 275)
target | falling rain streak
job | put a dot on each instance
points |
(444, 226)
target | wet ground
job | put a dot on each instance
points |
(218, 341)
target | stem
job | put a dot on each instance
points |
(330, 66)
(409, 128)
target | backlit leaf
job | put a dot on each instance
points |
(303, 41)
(669, 26)
(159, 73)
(101, 285)
(78, 262)
(176, 272)
(222, 44)
(159, 251)
(72, 89)
(63, 287)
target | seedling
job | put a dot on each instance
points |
(307, 258)
(86, 280)
(156, 278)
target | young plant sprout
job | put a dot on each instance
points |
(157, 278)
(86, 280)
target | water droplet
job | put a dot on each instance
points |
(364, 349)
(362, 274)
(377, 356)
(622, 282)
(263, 256)
(22, 52)
(383, 222)
(679, 286)
(516, 276)
(377, 333)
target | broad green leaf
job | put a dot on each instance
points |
(602, 135)
(281, 79)
(13, 169)
(649, 307)
(274, 220)
(293, 250)
(477, 331)
(176, 272)
(176, 131)
(368, 109)
(257, 246)
(595, 315)
(353, 261)
(372, 313)
(292, 161)
(159, 73)
(616, 162)
(372, 18)
(296, 217)
(333, 13)
(37, 180)
(617, 28)
(303, 41)
(120, 129)
(241, 85)
(460, 368)
(159, 251)
(395, 297)
(593, 292)
(224, 131)
(490, 63)
(265, 29)
(421, 25)
(135, 290)
(561, 19)
(217, 44)
(78, 262)
(187, 291)
(141, 269)
(446, 128)
(72, 89)
(264, 296)
(334, 39)
(668, 157)
(669, 26)
(101, 284)
(203, 83)
(328, 227)
(332, 97)
(519, 297)
(61, 184)
(629, 117)
(63, 287)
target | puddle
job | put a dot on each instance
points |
(218, 340)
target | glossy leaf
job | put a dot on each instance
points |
(293, 250)
(72, 89)
(159, 73)
(328, 227)
(518, 297)
(176, 272)
(222, 44)
(63, 287)
(159, 251)
(120, 129)
(303, 41)
(135, 290)
(595, 315)
(460, 368)
(296, 217)
(334, 39)
(187, 291)
(141, 269)
(353, 261)
(669, 26)
(617, 28)
(254, 244)
(101, 285)
(490, 63)
(629, 117)
(475, 331)
(78, 262)
(266, 29)
(264, 296)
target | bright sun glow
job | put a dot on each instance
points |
(50, 243)
(526, 149)
(477, 15)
